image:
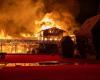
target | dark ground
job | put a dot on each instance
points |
(73, 68)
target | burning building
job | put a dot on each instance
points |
(52, 34)
(17, 45)
(20, 22)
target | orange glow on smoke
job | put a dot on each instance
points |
(54, 19)
(46, 23)
(50, 20)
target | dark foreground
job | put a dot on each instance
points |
(66, 69)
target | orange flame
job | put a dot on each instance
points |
(47, 22)
(4, 36)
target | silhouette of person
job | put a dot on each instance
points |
(67, 47)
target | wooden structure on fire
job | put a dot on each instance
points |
(52, 34)
(17, 45)
(25, 45)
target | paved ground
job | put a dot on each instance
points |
(70, 69)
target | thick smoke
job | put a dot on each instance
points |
(71, 6)
(63, 12)
(19, 16)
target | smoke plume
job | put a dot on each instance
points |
(19, 16)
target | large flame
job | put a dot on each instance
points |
(3, 35)
(22, 18)
(47, 23)
(55, 19)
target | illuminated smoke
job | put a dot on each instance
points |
(63, 13)
(20, 16)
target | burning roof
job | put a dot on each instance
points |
(54, 31)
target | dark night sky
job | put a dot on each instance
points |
(88, 8)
